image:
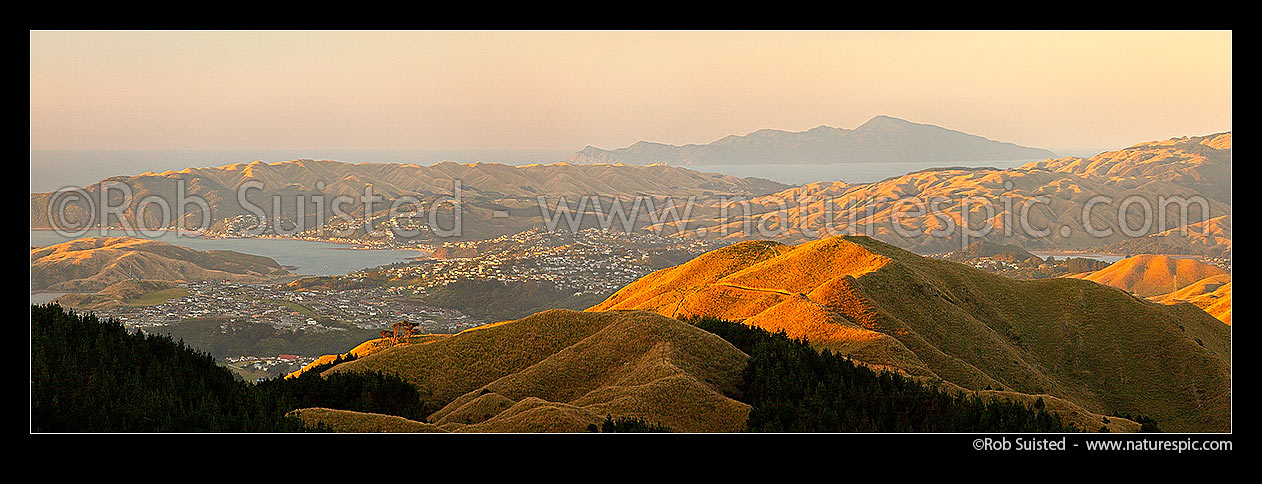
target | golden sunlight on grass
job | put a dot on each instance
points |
(1098, 347)
(562, 370)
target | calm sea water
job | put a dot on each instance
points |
(310, 258)
(43, 297)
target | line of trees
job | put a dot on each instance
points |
(794, 388)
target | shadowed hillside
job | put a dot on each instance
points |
(1095, 346)
(124, 293)
(563, 370)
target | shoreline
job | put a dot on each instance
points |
(1059, 253)
(201, 235)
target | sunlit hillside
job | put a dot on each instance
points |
(93, 263)
(1213, 294)
(563, 370)
(1093, 345)
(1149, 274)
(922, 210)
(1199, 162)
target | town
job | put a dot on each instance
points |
(589, 261)
(289, 310)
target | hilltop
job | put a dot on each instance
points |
(1213, 294)
(1199, 162)
(563, 370)
(1149, 274)
(488, 191)
(94, 263)
(882, 139)
(1098, 347)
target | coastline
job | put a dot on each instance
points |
(202, 235)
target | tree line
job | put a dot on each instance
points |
(794, 388)
(93, 375)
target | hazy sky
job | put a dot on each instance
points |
(565, 90)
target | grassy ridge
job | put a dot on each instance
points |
(563, 370)
(1100, 348)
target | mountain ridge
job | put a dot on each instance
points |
(95, 263)
(1099, 347)
(882, 139)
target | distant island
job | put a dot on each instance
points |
(883, 139)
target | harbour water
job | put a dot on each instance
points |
(309, 257)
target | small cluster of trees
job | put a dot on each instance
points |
(400, 333)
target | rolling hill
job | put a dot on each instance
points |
(632, 365)
(1202, 163)
(882, 139)
(1149, 274)
(124, 293)
(563, 370)
(923, 210)
(1213, 294)
(1210, 237)
(1098, 347)
(487, 190)
(94, 263)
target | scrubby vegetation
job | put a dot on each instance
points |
(794, 388)
(92, 375)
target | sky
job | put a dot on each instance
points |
(531, 90)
